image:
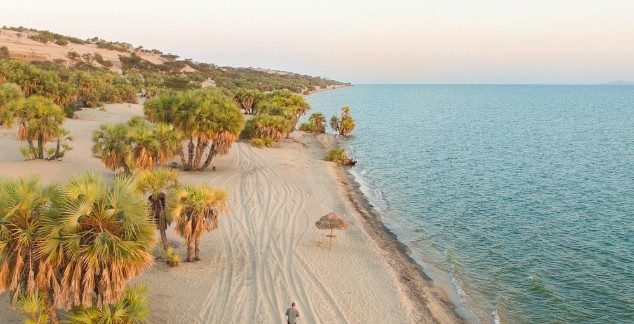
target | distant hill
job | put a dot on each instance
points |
(619, 82)
(33, 46)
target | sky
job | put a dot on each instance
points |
(389, 41)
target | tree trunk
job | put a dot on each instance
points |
(162, 227)
(212, 154)
(40, 147)
(57, 149)
(189, 251)
(190, 158)
(158, 209)
(182, 155)
(50, 309)
(200, 151)
(197, 251)
(126, 169)
(164, 239)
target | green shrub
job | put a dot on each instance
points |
(70, 109)
(339, 156)
(172, 259)
(257, 142)
(263, 142)
(4, 52)
(306, 127)
(118, 93)
(61, 42)
(73, 55)
(132, 308)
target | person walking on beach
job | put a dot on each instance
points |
(292, 314)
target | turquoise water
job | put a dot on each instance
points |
(521, 197)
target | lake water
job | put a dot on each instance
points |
(517, 199)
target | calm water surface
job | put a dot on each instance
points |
(519, 198)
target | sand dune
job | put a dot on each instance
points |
(267, 251)
(25, 49)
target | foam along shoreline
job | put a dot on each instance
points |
(430, 303)
(372, 201)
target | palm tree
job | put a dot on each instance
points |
(9, 92)
(103, 236)
(209, 120)
(346, 124)
(319, 120)
(196, 209)
(334, 123)
(316, 124)
(136, 145)
(24, 207)
(248, 99)
(286, 102)
(145, 146)
(112, 145)
(271, 126)
(39, 121)
(170, 142)
(32, 305)
(156, 184)
(132, 308)
(343, 125)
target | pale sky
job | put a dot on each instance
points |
(389, 41)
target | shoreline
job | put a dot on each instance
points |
(267, 251)
(429, 302)
(334, 87)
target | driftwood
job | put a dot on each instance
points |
(350, 162)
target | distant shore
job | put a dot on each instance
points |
(334, 87)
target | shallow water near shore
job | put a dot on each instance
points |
(518, 199)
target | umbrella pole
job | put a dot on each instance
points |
(330, 245)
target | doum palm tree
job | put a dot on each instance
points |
(102, 236)
(71, 245)
(24, 205)
(155, 184)
(196, 209)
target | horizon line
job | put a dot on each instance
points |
(609, 83)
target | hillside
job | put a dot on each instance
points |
(33, 46)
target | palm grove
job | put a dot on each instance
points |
(71, 248)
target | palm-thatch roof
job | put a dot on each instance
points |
(331, 221)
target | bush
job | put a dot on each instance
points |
(269, 142)
(61, 42)
(339, 156)
(257, 142)
(172, 259)
(70, 109)
(73, 55)
(264, 125)
(4, 52)
(263, 142)
(119, 93)
(306, 127)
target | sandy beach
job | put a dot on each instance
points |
(267, 251)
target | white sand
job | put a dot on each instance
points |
(267, 251)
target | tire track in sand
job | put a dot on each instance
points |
(260, 268)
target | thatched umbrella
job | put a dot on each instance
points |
(331, 221)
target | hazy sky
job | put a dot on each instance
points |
(389, 41)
